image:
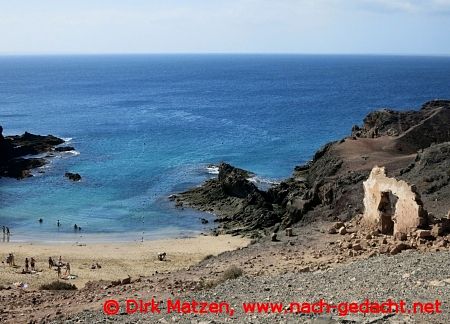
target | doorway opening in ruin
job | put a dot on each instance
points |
(387, 211)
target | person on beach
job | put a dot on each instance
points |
(67, 273)
(58, 223)
(59, 271)
(50, 262)
(33, 264)
(27, 265)
(75, 227)
(7, 231)
(60, 262)
(4, 229)
(10, 260)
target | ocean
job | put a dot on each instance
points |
(147, 126)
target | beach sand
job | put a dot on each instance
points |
(117, 260)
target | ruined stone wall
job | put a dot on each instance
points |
(409, 213)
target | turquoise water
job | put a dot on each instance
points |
(147, 126)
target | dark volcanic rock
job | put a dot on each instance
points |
(14, 149)
(415, 129)
(234, 181)
(64, 148)
(237, 202)
(30, 144)
(72, 176)
(330, 185)
(430, 172)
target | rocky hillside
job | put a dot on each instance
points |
(413, 145)
(14, 150)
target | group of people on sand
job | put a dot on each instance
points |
(30, 265)
(59, 265)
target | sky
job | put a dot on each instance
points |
(419, 27)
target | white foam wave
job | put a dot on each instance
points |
(212, 169)
(263, 181)
(73, 152)
(65, 154)
(35, 156)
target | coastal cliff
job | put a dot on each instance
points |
(14, 152)
(411, 145)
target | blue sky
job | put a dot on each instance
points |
(217, 26)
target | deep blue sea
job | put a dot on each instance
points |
(146, 126)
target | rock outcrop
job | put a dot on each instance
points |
(410, 145)
(14, 150)
(238, 203)
(73, 176)
(430, 173)
(413, 130)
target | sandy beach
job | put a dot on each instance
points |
(117, 260)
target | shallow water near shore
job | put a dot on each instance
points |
(146, 126)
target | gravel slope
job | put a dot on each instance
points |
(410, 276)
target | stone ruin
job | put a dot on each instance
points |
(392, 206)
(394, 220)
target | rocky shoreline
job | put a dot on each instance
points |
(16, 153)
(411, 145)
(327, 252)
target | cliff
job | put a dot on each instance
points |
(411, 145)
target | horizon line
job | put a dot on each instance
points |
(4, 54)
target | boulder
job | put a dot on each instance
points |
(399, 247)
(338, 225)
(116, 282)
(72, 176)
(357, 247)
(437, 230)
(332, 230)
(289, 232)
(425, 234)
(401, 236)
(126, 281)
(273, 237)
